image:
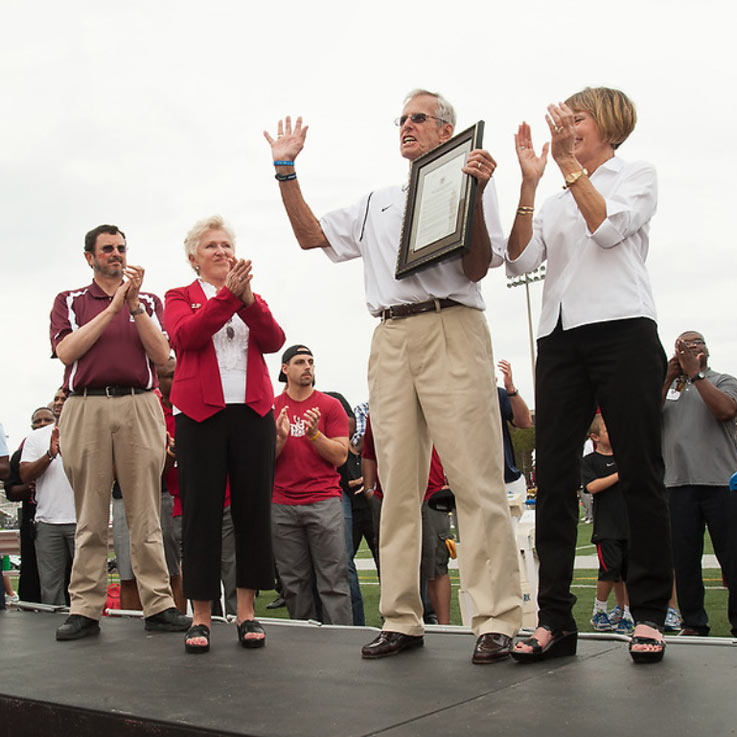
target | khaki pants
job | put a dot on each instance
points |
(431, 381)
(128, 434)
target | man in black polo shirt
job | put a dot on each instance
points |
(108, 335)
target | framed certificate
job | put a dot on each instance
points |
(440, 201)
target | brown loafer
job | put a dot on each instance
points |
(390, 643)
(491, 648)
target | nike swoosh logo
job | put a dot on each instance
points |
(609, 464)
(385, 208)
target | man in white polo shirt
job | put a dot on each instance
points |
(429, 382)
(55, 519)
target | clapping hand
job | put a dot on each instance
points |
(532, 166)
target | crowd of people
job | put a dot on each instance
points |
(283, 473)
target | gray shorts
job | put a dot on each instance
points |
(435, 555)
(121, 539)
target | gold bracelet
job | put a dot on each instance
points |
(315, 436)
(573, 178)
(525, 210)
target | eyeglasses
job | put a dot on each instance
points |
(415, 118)
(694, 342)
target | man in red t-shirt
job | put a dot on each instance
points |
(307, 513)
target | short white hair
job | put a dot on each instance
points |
(198, 230)
(443, 109)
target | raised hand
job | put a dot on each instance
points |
(312, 417)
(54, 442)
(238, 280)
(560, 120)
(134, 274)
(120, 296)
(688, 357)
(506, 368)
(532, 166)
(288, 143)
(282, 424)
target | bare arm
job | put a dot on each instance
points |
(605, 482)
(521, 416)
(370, 477)
(477, 259)
(591, 204)
(532, 167)
(74, 345)
(286, 147)
(154, 341)
(720, 404)
(282, 431)
(31, 470)
(333, 450)
(4, 467)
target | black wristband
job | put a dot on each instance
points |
(285, 177)
(48, 453)
(513, 394)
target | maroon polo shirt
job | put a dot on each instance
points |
(117, 357)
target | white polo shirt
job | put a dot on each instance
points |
(372, 228)
(599, 276)
(54, 495)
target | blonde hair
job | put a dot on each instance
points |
(613, 112)
(198, 230)
(596, 425)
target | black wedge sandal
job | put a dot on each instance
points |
(647, 656)
(560, 644)
(197, 630)
(248, 626)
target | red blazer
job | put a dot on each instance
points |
(191, 320)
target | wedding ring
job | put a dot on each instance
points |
(478, 164)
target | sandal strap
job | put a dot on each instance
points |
(640, 640)
(197, 630)
(251, 626)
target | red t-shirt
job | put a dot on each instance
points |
(436, 480)
(117, 357)
(301, 474)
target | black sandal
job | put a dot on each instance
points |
(249, 626)
(647, 656)
(197, 630)
(560, 644)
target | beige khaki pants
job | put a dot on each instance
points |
(431, 381)
(128, 434)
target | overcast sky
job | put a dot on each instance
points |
(150, 114)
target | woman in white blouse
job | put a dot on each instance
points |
(597, 345)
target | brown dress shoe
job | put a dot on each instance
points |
(491, 648)
(390, 643)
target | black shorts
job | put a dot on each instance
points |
(612, 556)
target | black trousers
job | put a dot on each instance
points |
(619, 366)
(236, 445)
(692, 508)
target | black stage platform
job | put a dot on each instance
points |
(311, 680)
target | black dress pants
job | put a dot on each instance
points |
(620, 366)
(692, 508)
(236, 446)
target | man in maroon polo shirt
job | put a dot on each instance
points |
(108, 335)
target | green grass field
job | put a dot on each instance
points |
(584, 585)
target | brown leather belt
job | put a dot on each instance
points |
(108, 391)
(416, 308)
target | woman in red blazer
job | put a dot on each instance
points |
(225, 427)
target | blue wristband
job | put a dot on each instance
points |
(283, 163)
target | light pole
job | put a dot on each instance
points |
(526, 279)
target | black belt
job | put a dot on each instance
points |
(416, 308)
(108, 391)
